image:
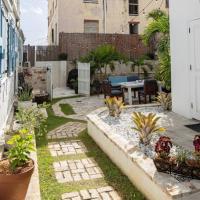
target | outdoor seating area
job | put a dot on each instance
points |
(131, 88)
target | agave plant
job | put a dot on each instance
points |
(115, 106)
(165, 100)
(163, 147)
(145, 125)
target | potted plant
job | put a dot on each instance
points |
(180, 165)
(146, 125)
(16, 170)
(75, 86)
(195, 162)
(115, 106)
(162, 149)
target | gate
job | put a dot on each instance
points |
(84, 78)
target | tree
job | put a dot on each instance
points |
(103, 57)
(158, 29)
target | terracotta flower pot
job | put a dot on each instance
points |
(15, 186)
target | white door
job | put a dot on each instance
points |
(84, 78)
(194, 67)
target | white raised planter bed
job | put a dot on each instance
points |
(139, 168)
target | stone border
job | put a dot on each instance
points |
(33, 192)
(140, 169)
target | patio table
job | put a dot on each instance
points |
(134, 85)
(130, 86)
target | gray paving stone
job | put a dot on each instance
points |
(104, 193)
(70, 129)
(67, 148)
(77, 170)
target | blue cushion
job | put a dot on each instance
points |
(132, 78)
(116, 80)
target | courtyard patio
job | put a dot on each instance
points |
(76, 168)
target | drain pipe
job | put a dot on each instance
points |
(104, 16)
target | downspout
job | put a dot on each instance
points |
(104, 16)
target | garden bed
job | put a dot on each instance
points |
(121, 143)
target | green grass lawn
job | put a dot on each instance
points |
(67, 109)
(52, 190)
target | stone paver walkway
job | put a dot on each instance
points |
(67, 171)
(82, 106)
(70, 129)
(104, 193)
(67, 148)
(77, 170)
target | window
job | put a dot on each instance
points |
(133, 7)
(90, 1)
(133, 28)
(52, 35)
(91, 26)
(167, 3)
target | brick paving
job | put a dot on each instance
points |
(103, 193)
(67, 148)
(70, 129)
(77, 170)
(82, 106)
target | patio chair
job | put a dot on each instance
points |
(111, 92)
(150, 89)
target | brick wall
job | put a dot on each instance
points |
(79, 44)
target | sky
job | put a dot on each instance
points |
(34, 23)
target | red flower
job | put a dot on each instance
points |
(163, 146)
(196, 143)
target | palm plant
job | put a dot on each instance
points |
(158, 30)
(142, 66)
(146, 125)
(103, 57)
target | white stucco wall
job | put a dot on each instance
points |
(6, 100)
(182, 12)
(59, 72)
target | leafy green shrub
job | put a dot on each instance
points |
(25, 94)
(32, 119)
(62, 56)
(21, 147)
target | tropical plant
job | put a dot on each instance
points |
(146, 125)
(196, 143)
(32, 119)
(158, 30)
(21, 145)
(142, 66)
(115, 106)
(165, 100)
(103, 57)
(163, 147)
(25, 94)
(182, 155)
